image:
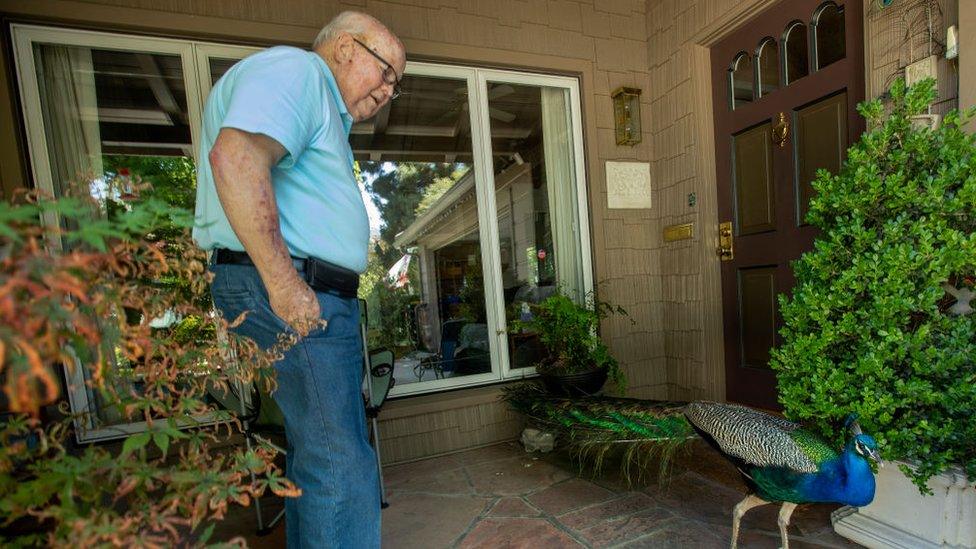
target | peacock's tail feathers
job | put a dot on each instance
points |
(642, 432)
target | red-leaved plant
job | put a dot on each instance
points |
(86, 295)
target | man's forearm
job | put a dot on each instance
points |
(242, 176)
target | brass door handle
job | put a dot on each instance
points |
(725, 245)
(781, 131)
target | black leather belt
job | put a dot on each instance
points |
(320, 275)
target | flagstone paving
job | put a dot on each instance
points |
(500, 496)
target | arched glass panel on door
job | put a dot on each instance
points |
(767, 65)
(796, 59)
(741, 81)
(828, 33)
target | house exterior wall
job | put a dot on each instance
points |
(898, 35)
(673, 349)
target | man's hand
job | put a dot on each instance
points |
(295, 303)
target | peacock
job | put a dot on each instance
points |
(778, 459)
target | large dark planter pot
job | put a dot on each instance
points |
(575, 385)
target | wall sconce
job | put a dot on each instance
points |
(626, 115)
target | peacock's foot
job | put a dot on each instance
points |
(739, 510)
(785, 512)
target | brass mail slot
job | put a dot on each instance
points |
(679, 232)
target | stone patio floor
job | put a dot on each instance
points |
(500, 496)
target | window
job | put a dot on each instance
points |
(741, 81)
(828, 46)
(100, 107)
(796, 62)
(767, 65)
(473, 180)
(828, 32)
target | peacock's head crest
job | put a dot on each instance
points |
(863, 445)
(851, 424)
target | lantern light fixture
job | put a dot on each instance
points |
(626, 115)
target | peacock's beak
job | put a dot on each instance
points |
(874, 455)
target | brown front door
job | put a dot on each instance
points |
(785, 90)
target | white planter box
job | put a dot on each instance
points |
(900, 517)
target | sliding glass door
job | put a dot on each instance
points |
(536, 200)
(484, 192)
(473, 180)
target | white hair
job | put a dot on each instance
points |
(352, 22)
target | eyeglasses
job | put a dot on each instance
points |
(389, 73)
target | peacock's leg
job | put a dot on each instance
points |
(784, 520)
(740, 509)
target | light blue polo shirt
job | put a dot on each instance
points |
(289, 95)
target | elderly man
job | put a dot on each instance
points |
(279, 205)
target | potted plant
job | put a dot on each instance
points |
(578, 362)
(877, 323)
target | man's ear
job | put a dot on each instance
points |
(344, 48)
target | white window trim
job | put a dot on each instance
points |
(195, 57)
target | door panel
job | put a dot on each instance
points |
(821, 142)
(764, 185)
(757, 291)
(754, 194)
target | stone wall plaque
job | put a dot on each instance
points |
(628, 185)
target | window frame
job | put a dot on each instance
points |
(24, 37)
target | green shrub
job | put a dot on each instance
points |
(868, 328)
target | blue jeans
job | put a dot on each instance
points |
(320, 394)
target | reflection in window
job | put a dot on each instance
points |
(797, 63)
(768, 66)
(828, 31)
(535, 195)
(218, 66)
(423, 282)
(740, 81)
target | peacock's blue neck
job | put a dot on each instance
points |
(846, 479)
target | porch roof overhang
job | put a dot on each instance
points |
(461, 192)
